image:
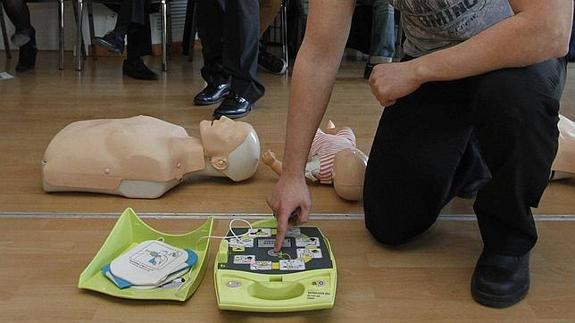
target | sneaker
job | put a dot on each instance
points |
(271, 63)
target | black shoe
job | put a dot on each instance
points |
(500, 281)
(271, 63)
(27, 57)
(23, 37)
(138, 70)
(212, 94)
(111, 41)
(233, 107)
(368, 69)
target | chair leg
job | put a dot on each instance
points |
(5, 34)
(164, 36)
(79, 8)
(90, 6)
(169, 28)
(284, 32)
(61, 32)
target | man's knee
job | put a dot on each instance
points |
(388, 234)
(395, 227)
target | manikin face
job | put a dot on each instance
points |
(221, 137)
(232, 147)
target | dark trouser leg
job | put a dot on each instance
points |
(140, 40)
(240, 51)
(414, 167)
(516, 123)
(130, 12)
(424, 153)
(211, 31)
(19, 14)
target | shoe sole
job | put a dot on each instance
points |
(231, 116)
(203, 103)
(498, 301)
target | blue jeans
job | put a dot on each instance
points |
(383, 28)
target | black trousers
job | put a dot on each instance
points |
(134, 20)
(229, 30)
(445, 135)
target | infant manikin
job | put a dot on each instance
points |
(564, 163)
(144, 157)
(333, 159)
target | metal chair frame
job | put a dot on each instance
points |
(166, 33)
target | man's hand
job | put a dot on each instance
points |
(290, 202)
(393, 81)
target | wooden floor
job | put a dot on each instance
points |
(42, 257)
(36, 105)
(427, 280)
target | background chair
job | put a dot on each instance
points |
(166, 20)
(60, 29)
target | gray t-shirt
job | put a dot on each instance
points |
(430, 25)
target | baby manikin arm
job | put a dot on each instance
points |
(269, 159)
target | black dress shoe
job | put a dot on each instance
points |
(500, 281)
(27, 57)
(368, 69)
(212, 94)
(138, 70)
(112, 41)
(233, 107)
(271, 63)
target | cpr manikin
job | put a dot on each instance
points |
(333, 159)
(144, 157)
(564, 163)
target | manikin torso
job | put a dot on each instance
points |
(144, 157)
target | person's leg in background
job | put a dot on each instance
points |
(268, 11)
(25, 35)
(240, 57)
(134, 22)
(211, 30)
(139, 45)
(382, 36)
(516, 126)
(131, 15)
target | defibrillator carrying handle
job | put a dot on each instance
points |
(276, 290)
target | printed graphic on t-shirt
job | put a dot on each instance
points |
(434, 24)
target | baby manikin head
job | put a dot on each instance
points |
(232, 147)
(348, 174)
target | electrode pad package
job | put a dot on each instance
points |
(250, 276)
(150, 264)
(139, 262)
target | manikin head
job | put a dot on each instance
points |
(348, 173)
(231, 147)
